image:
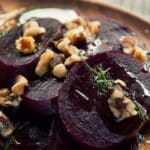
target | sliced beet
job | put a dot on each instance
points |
(59, 139)
(109, 36)
(43, 104)
(31, 131)
(91, 122)
(41, 95)
(13, 62)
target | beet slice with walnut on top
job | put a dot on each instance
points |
(12, 62)
(90, 122)
(41, 93)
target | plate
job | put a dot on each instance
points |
(89, 9)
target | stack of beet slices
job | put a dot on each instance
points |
(90, 122)
(53, 116)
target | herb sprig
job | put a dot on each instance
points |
(7, 144)
(99, 76)
(142, 113)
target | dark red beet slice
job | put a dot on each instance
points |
(90, 122)
(59, 139)
(41, 95)
(31, 132)
(43, 104)
(13, 62)
(109, 36)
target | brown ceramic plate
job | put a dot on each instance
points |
(90, 9)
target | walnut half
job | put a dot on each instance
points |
(6, 126)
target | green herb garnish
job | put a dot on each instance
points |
(2, 33)
(142, 113)
(7, 144)
(99, 76)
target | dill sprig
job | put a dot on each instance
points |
(7, 144)
(99, 76)
(142, 113)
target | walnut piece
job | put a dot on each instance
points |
(6, 127)
(120, 82)
(60, 71)
(9, 99)
(72, 59)
(130, 46)
(76, 23)
(94, 27)
(4, 92)
(43, 64)
(26, 45)
(32, 28)
(77, 35)
(121, 106)
(64, 45)
(20, 84)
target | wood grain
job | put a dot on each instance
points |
(89, 9)
(138, 7)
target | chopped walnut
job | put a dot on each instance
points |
(66, 48)
(6, 126)
(4, 92)
(94, 27)
(63, 45)
(20, 84)
(72, 59)
(26, 45)
(60, 71)
(128, 41)
(117, 93)
(32, 28)
(76, 23)
(43, 64)
(57, 59)
(120, 82)
(130, 46)
(140, 54)
(12, 100)
(121, 106)
(77, 35)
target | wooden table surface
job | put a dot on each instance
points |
(140, 7)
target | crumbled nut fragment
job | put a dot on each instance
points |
(116, 93)
(73, 50)
(140, 54)
(72, 59)
(76, 23)
(6, 127)
(4, 92)
(128, 41)
(43, 64)
(130, 46)
(63, 45)
(12, 100)
(120, 82)
(60, 71)
(77, 35)
(66, 48)
(25, 45)
(94, 27)
(32, 28)
(121, 106)
(20, 84)
(57, 59)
